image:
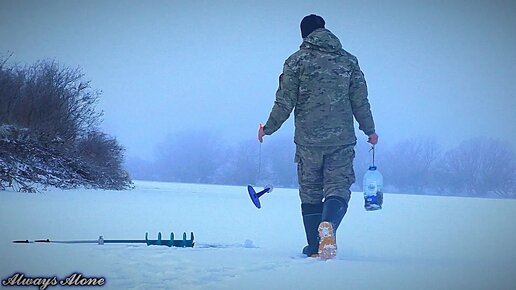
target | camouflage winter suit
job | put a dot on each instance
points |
(325, 86)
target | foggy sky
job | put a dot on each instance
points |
(434, 68)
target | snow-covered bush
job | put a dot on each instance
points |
(48, 131)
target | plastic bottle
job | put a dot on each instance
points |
(373, 185)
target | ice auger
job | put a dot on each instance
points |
(182, 243)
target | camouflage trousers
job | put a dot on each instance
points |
(324, 171)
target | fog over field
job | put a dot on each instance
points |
(207, 71)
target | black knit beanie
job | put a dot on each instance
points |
(311, 23)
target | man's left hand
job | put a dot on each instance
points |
(373, 139)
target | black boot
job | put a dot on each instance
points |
(334, 209)
(312, 214)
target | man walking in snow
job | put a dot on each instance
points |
(325, 87)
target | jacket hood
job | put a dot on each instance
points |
(322, 39)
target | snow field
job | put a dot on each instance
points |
(415, 242)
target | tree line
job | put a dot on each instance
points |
(49, 135)
(477, 167)
(49, 130)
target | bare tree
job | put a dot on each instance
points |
(410, 164)
(191, 156)
(50, 99)
(278, 162)
(11, 81)
(102, 160)
(481, 165)
(141, 169)
(242, 166)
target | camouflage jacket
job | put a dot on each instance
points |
(325, 86)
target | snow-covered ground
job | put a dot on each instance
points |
(415, 242)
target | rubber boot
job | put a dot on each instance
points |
(334, 209)
(312, 214)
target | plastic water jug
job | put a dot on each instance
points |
(373, 185)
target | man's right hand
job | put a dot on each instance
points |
(373, 139)
(260, 133)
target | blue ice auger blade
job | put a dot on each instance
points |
(147, 239)
(170, 243)
(254, 197)
(192, 243)
(182, 243)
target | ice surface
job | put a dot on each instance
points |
(414, 242)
